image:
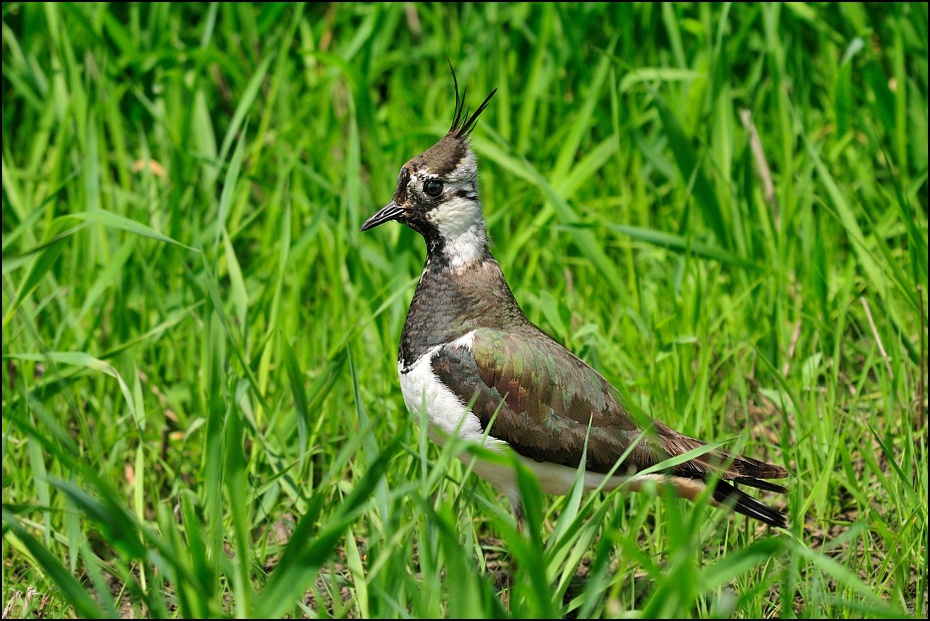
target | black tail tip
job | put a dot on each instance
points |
(728, 495)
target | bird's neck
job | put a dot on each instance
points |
(451, 301)
(458, 235)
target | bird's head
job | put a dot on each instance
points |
(437, 192)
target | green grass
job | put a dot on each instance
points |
(201, 411)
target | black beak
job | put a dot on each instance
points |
(385, 214)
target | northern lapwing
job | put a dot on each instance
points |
(470, 356)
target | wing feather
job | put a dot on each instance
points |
(544, 398)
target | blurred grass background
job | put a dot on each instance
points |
(723, 208)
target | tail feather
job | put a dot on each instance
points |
(727, 494)
(729, 466)
(741, 469)
(724, 494)
(760, 484)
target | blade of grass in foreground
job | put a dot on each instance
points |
(308, 549)
(77, 595)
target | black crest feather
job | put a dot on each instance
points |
(462, 124)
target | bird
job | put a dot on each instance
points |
(469, 355)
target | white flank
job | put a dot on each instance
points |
(444, 410)
(447, 414)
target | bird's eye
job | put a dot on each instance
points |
(432, 187)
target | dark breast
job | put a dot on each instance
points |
(449, 303)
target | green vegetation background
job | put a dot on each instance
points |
(723, 208)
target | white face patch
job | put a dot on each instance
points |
(465, 171)
(457, 217)
(461, 225)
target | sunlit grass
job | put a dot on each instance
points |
(201, 412)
